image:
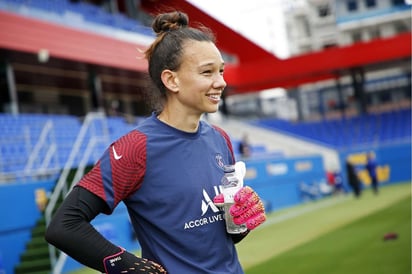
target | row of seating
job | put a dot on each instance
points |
(78, 12)
(380, 128)
(22, 133)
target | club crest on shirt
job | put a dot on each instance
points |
(219, 160)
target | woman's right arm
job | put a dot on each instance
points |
(71, 232)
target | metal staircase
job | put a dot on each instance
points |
(40, 257)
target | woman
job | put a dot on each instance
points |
(165, 171)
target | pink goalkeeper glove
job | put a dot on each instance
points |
(248, 208)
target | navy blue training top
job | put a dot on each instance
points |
(167, 178)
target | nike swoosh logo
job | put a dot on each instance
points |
(116, 156)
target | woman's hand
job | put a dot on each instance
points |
(248, 207)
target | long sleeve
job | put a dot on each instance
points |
(70, 229)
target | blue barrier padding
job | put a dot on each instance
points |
(278, 181)
(396, 158)
(19, 214)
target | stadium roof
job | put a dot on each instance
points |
(258, 69)
(29, 35)
(255, 68)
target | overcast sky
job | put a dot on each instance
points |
(259, 20)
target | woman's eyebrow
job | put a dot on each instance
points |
(211, 64)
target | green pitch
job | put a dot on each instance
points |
(335, 235)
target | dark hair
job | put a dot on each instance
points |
(172, 30)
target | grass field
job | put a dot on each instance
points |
(335, 235)
(354, 248)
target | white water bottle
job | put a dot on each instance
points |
(231, 182)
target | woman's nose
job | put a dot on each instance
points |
(219, 82)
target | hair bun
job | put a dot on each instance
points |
(170, 21)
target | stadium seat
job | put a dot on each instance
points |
(366, 129)
(85, 13)
(21, 133)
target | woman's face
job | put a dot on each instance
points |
(200, 78)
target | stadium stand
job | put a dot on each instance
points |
(48, 139)
(76, 14)
(363, 130)
(39, 145)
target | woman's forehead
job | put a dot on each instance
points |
(201, 53)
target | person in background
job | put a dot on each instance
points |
(338, 182)
(371, 166)
(166, 171)
(334, 179)
(244, 148)
(353, 179)
(330, 178)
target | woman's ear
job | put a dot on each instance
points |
(169, 80)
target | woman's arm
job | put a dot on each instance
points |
(71, 232)
(70, 229)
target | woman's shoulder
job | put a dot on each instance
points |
(212, 127)
(220, 131)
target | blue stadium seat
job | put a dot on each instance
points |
(349, 132)
(88, 12)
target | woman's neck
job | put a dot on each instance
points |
(183, 122)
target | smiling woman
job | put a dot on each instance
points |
(196, 87)
(166, 171)
(190, 80)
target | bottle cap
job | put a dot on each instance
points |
(228, 168)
